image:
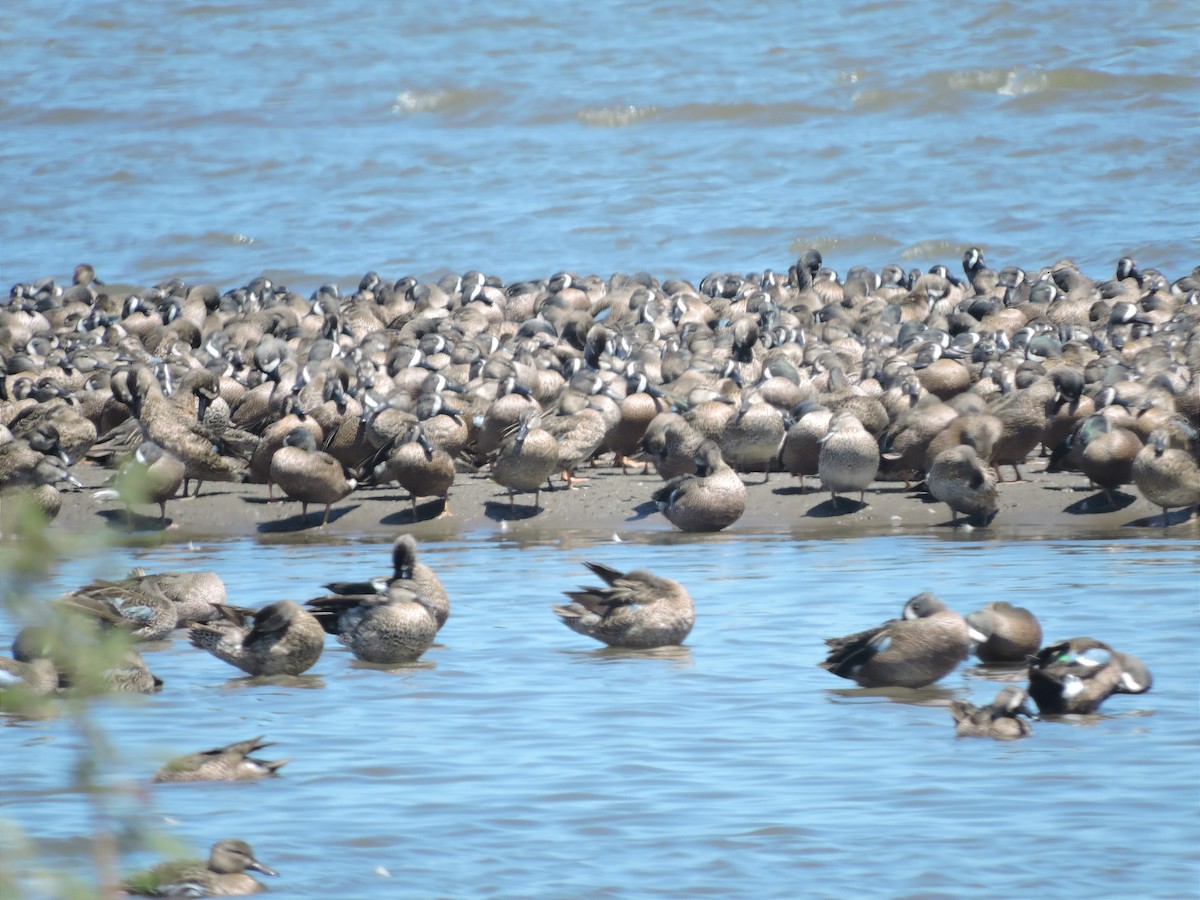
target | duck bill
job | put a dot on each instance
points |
(256, 866)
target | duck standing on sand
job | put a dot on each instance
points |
(849, 458)
(710, 500)
(526, 459)
(307, 474)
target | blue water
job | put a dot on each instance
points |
(518, 759)
(316, 141)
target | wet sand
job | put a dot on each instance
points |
(1056, 506)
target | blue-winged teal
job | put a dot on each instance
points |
(385, 628)
(36, 678)
(139, 608)
(753, 437)
(924, 645)
(274, 436)
(153, 476)
(579, 433)
(421, 468)
(977, 430)
(1022, 413)
(19, 457)
(223, 875)
(1010, 634)
(502, 413)
(671, 444)
(407, 572)
(76, 433)
(526, 459)
(231, 763)
(1106, 452)
(129, 675)
(1000, 719)
(637, 610)
(849, 457)
(1167, 474)
(307, 474)
(905, 441)
(47, 475)
(801, 449)
(965, 483)
(710, 500)
(284, 640)
(163, 424)
(198, 596)
(1077, 675)
(641, 403)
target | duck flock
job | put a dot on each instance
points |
(881, 376)
(928, 378)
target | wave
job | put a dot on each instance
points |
(416, 101)
(616, 116)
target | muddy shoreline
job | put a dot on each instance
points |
(1044, 506)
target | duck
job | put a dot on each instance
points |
(710, 500)
(309, 475)
(49, 472)
(1012, 634)
(23, 682)
(640, 405)
(671, 444)
(198, 596)
(421, 469)
(801, 451)
(285, 639)
(1107, 453)
(580, 433)
(126, 673)
(153, 475)
(396, 626)
(222, 875)
(1022, 413)
(1000, 719)
(965, 483)
(1078, 675)
(905, 441)
(1166, 472)
(140, 609)
(526, 458)
(163, 423)
(753, 437)
(924, 645)
(274, 436)
(229, 763)
(849, 457)
(634, 610)
(19, 457)
(407, 572)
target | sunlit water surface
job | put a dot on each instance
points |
(315, 141)
(518, 759)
